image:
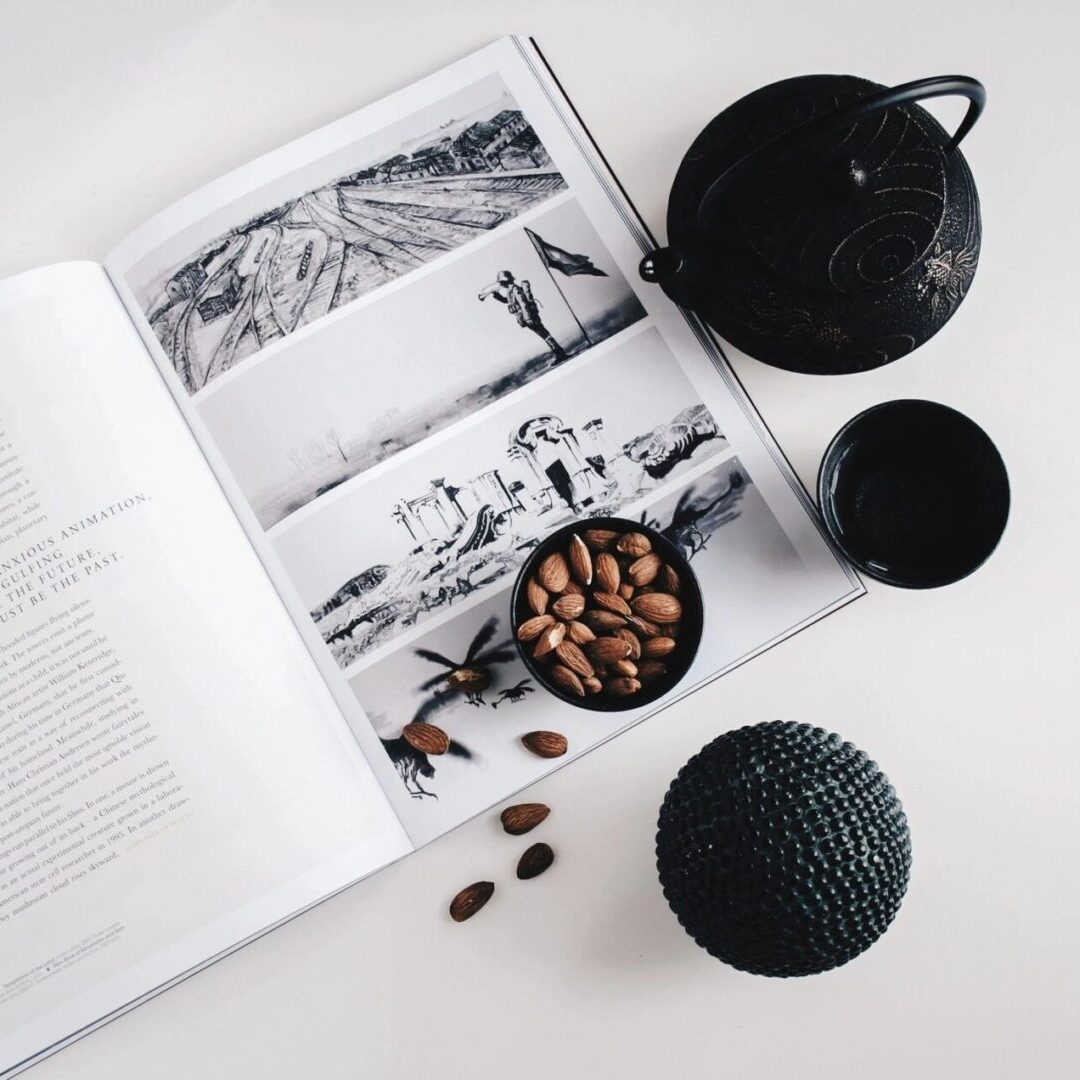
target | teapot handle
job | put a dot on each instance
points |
(663, 264)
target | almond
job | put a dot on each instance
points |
(657, 646)
(642, 627)
(553, 573)
(607, 650)
(607, 572)
(548, 639)
(534, 861)
(618, 615)
(600, 539)
(427, 738)
(537, 596)
(631, 639)
(651, 670)
(570, 655)
(612, 602)
(470, 900)
(600, 622)
(546, 744)
(534, 627)
(524, 817)
(579, 633)
(469, 679)
(671, 581)
(633, 543)
(566, 680)
(570, 606)
(580, 561)
(658, 607)
(643, 571)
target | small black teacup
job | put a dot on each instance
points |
(914, 493)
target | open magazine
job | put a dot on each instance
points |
(278, 456)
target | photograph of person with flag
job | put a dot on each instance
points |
(520, 302)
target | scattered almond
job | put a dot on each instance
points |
(427, 738)
(524, 817)
(469, 679)
(470, 900)
(534, 861)
(546, 744)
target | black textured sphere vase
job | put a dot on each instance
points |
(782, 849)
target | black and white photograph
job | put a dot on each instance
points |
(385, 555)
(431, 183)
(396, 370)
(738, 551)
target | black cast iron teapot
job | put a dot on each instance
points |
(825, 224)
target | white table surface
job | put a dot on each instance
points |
(966, 696)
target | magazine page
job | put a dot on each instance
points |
(174, 776)
(414, 343)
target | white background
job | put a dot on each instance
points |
(966, 696)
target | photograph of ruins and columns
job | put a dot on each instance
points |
(382, 554)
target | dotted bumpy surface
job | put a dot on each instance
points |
(782, 849)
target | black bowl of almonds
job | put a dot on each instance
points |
(607, 614)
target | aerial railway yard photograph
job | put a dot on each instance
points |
(416, 191)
